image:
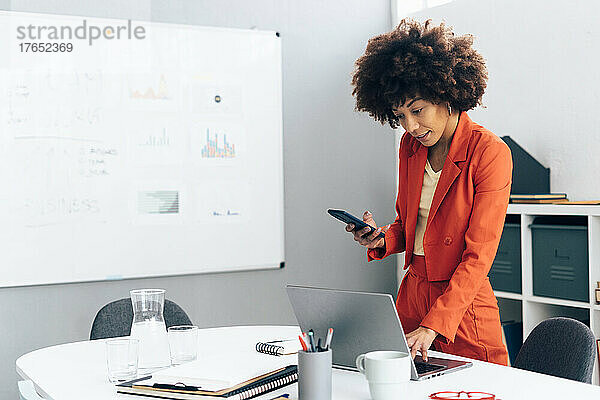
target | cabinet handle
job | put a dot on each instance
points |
(561, 257)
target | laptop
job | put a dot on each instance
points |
(361, 322)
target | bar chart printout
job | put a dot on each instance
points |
(158, 202)
(212, 148)
(157, 140)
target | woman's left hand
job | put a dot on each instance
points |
(420, 339)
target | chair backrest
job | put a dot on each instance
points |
(115, 318)
(562, 347)
(27, 391)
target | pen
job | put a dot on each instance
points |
(319, 345)
(311, 340)
(302, 343)
(305, 337)
(283, 396)
(328, 339)
(177, 386)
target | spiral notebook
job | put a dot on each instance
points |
(167, 387)
(279, 347)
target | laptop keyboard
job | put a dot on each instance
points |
(423, 367)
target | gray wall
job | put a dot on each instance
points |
(321, 40)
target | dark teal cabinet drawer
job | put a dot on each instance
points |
(505, 274)
(560, 261)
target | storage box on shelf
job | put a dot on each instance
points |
(560, 257)
(505, 274)
(559, 264)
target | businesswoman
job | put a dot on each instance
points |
(454, 185)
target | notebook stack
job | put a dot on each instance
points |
(211, 379)
(539, 198)
(548, 198)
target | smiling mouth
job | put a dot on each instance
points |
(423, 135)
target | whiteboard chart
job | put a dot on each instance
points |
(144, 157)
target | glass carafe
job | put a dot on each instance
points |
(150, 329)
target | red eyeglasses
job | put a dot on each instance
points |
(462, 395)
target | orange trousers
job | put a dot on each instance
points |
(479, 334)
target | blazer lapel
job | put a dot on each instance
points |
(450, 170)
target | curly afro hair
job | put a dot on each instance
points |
(419, 59)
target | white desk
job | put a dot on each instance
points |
(76, 371)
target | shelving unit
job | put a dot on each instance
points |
(535, 309)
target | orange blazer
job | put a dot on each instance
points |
(466, 216)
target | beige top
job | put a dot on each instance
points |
(430, 181)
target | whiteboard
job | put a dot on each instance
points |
(138, 157)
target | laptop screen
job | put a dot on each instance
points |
(362, 322)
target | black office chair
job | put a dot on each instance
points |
(114, 319)
(560, 347)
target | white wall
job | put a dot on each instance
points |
(543, 58)
(320, 42)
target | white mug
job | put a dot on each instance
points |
(386, 372)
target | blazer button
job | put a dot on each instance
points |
(448, 241)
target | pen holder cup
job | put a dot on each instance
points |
(314, 375)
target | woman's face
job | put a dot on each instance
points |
(425, 121)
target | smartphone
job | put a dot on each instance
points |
(351, 219)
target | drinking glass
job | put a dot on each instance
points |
(122, 359)
(183, 343)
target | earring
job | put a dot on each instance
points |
(449, 109)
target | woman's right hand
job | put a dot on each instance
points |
(370, 241)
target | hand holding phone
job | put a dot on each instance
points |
(365, 231)
(348, 218)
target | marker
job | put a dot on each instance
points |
(311, 340)
(328, 339)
